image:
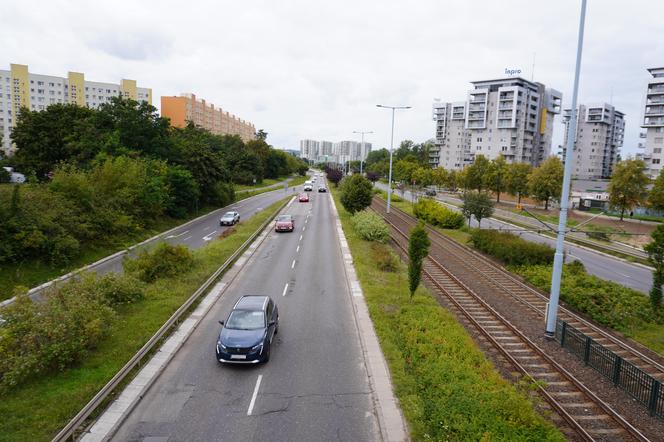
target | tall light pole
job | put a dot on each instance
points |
(389, 183)
(564, 201)
(362, 144)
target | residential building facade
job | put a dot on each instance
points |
(653, 123)
(20, 88)
(451, 148)
(338, 153)
(309, 149)
(600, 133)
(186, 107)
(512, 117)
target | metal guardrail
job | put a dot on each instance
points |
(637, 383)
(68, 431)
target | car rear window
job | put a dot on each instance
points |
(245, 320)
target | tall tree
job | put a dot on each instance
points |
(477, 173)
(477, 204)
(356, 193)
(655, 251)
(418, 249)
(627, 187)
(261, 135)
(656, 196)
(422, 177)
(517, 179)
(497, 176)
(545, 182)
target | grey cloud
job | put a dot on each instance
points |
(136, 46)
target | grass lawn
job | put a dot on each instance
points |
(446, 387)
(37, 410)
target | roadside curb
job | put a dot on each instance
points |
(393, 427)
(110, 420)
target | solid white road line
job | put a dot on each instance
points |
(293, 265)
(253, 396)
(285, 290)
(187, 238)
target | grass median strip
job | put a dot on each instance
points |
(292, 183)
(37, 409)
(447, 388)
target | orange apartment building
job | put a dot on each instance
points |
(187, 107)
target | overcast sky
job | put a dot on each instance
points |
(310, 69)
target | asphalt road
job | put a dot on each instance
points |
(315, 386)
(198, 233)
(604, 266)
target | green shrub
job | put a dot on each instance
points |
(356, 193)
(112, 288)
(39, 337)
(430, 211)
(371, 226)
(165, 260)
(606, 302)
(385, 259)
(510, 249)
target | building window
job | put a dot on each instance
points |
(657, 150)
(655, 160)
(658, 140)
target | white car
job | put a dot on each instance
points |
(308, 187)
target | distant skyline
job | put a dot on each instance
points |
(301, 69)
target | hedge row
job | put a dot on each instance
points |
(434, 213)
(510, 249)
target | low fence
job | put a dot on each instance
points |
(637, 383)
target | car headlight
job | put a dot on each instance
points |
(257, 347)
(220, 347)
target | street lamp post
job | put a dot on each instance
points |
(558, 259)
(389, 183)
(362, 144)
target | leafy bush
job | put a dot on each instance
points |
(606, 302)
(510, 249)
(371, 226)
(164, 261)
(38, 337)
(386, 260)
(437, 214)
(356, 193)
(112, 288)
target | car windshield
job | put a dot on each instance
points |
(284, 218)
(245, 320)
(228, 215)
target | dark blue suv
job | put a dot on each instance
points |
(246, 336)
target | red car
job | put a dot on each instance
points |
(285, 223)
(304, 198)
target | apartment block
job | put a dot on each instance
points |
(452, 141)
(186, 107)
(20, 88)
(329, 152)
(310, 149)
(512, 117)
(600, 133)
(653, 123)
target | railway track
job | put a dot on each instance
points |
(585, 413)
(483, 274)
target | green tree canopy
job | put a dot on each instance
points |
(627, 187)
(477, 204)
(477, 173)
(517, 179)
(356, 193)
(418, 249)
(655, 250)
(497, 176)
(545, 182)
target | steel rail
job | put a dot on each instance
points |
(633, 431)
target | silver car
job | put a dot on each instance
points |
(229, 219)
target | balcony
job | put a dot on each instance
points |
(655, 100)
(477, 107)
(654, 110)
(653, 121)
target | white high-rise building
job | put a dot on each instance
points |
(309, 149)
(653, 122)
(512, 117)
(20, 88)
(452, 142)
(599, 136)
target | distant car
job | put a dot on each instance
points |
(304, 198)
(247, 334)
(229, 218)
(308, 187)
(430, 192)
(285, 223)
(322, 189)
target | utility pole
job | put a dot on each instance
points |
(558, 259)
(389, 181)
(362, 148)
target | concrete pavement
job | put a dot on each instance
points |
(315, 386)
